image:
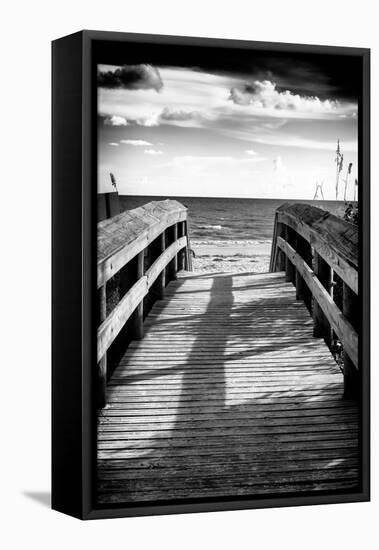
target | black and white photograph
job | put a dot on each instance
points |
(189, 231)
(229, 188)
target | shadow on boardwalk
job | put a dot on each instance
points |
(228, 395)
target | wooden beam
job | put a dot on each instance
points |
(290, 270)
(137, 315)
(102, 364)
(321, 327)
(172, 267)
(182, 253)
(188, 249)
(304, 249)
(352, 378)
(277, 259)
(338, 321)
(161, 279)
(274, 248)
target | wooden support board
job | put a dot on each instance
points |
(228, 394)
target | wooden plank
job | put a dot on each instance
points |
(340, 324)
(185, 424)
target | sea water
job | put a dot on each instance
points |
(230, 219)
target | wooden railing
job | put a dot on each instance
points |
(142, 249)
(319, 253)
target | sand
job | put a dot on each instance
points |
(238, 256)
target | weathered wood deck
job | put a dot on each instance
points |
(228, 393)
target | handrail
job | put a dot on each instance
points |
(333, 238)
(156, 237)
(310, 244)
(122, 237)
(112, 325)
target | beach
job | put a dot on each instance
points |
(217, 256)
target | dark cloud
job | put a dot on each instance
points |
(243, 95)
(131, 77)
(326, 75)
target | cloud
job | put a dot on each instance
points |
(153, 152)
(115, 120)
(286, 140)
(131, 77)
(136, 142)
(264, 95)
(113, 144)
(177, 117)
(179, 114)
(188, 99)
(198, 162)
(152, 119)
(250, 152)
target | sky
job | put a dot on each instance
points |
(251, 125)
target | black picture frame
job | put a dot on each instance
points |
(74, 291)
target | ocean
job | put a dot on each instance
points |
(226, 219)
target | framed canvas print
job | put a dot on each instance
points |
(210, 274)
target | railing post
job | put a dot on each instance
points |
(102, 366)
(280, 256)
(351, 374)
(188, 249)
(303, 248)
(321, 326)
(136, 323)
(172, 267)
(161, 280)
(290, 268)
(181, 254)
(187, 252)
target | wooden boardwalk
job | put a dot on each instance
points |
(228, 393)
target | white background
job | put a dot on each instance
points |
(26, 31)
